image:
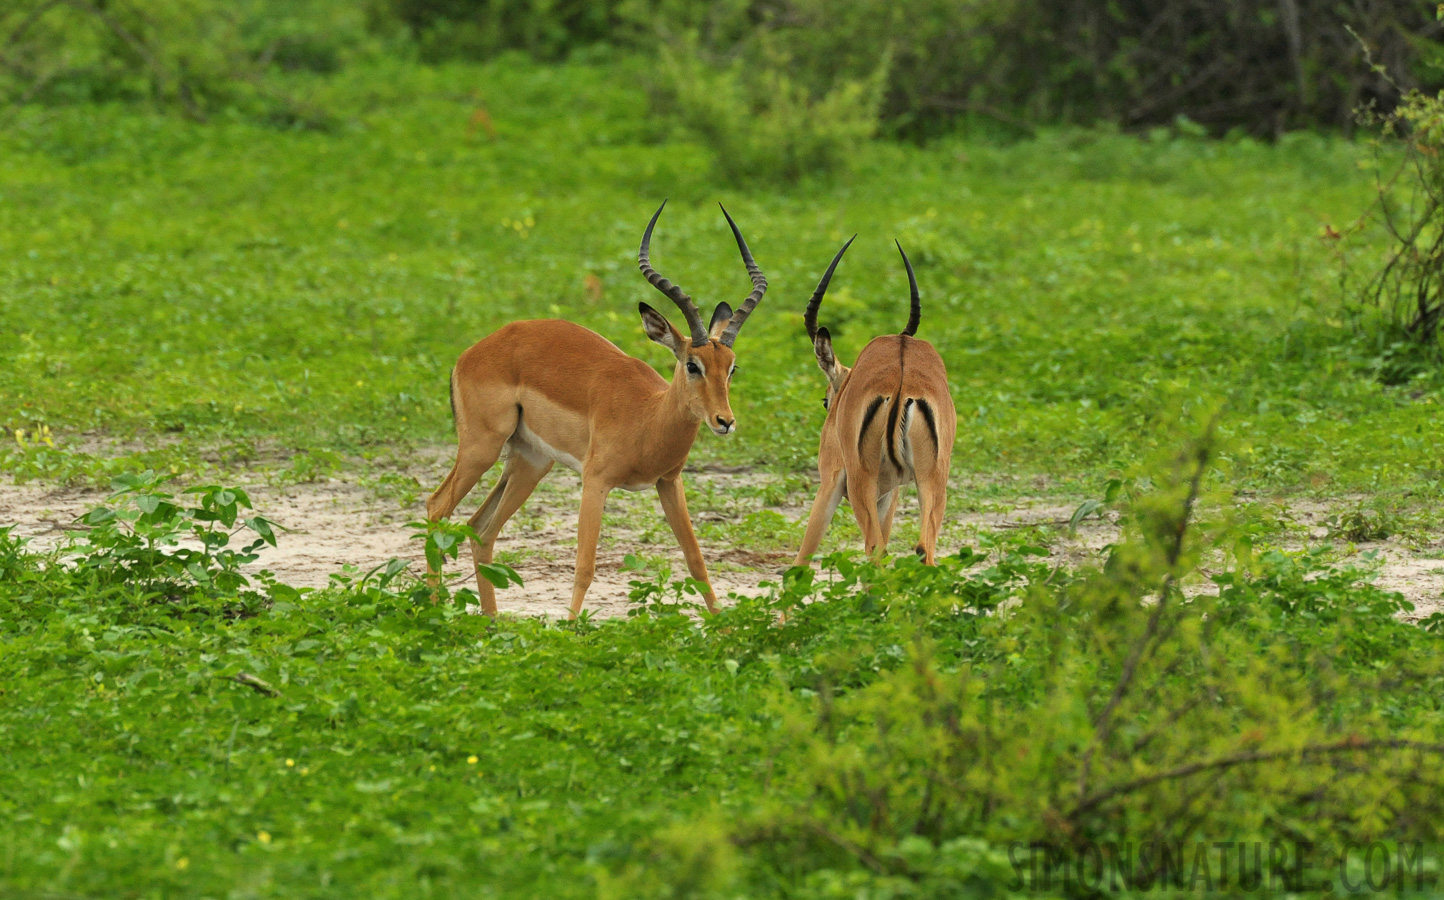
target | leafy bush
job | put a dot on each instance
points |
(1012, 62)
(548, 29)
(149, 542)
(1098, 714)
(1407, 291)
(760, 123)
(1222, 65)
(1015, 63)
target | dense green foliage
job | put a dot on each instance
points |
(931, 64)
(1263, 68)
(197, 56)
(171, 730)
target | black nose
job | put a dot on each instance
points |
(725, 423)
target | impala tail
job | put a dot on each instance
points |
(902, 431)
(917, 435)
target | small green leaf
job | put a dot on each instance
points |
(262, 527)
(98, 516)
(1084, 510)
(498, 574)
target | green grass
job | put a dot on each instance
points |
(172, 732)
(222, 298)
(229, 293)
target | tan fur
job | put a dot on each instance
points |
(856, 464)
(551, 391)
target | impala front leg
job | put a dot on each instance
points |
(589, 529)
(674, 506)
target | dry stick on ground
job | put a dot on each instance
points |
(1103, 724)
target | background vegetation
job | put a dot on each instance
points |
(248, 242)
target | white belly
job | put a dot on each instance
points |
(537, 449)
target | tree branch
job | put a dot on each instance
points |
(1348, 745)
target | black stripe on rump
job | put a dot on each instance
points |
(932, 424)
(872, 409)
(892, 415)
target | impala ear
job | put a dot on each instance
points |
(660, 330)
(822, 346)
(720, 317)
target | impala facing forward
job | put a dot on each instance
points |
(890, 420)
(552, 392)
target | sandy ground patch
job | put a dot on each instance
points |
(335, 527)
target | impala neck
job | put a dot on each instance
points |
(673, 427)
(672, 409)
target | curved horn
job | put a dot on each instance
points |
(673, 292)
(916, 314)
(809, 318)
(759, 286)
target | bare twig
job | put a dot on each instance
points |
(35, 15)
(1376, 68)
(861, 853)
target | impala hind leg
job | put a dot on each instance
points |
(477, 450)
(932, 500)
(863, 493)
(824, 506)
(589, 529)
(932, 482)
(886, 509)
(519, 477)
(674, 507)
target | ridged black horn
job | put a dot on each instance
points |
(673, 292)
(759, 286)
(916, 314)
(809, 318)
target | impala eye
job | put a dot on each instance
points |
(694, 369)
(824, 403)
(731, 373)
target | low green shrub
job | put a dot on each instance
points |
(198, 56)
(151, 543)
(759, 122)
(1098, 718)
(1400, 304)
